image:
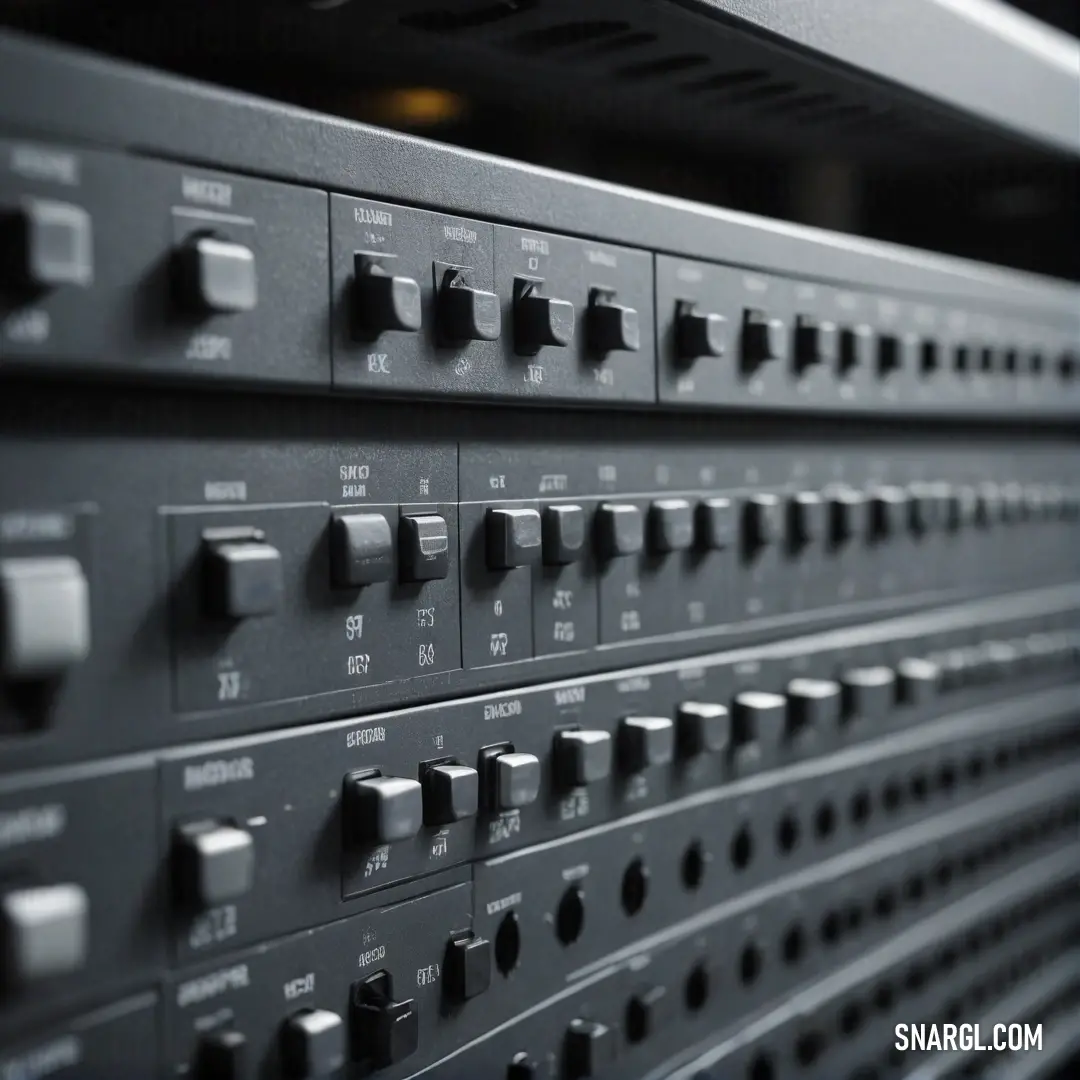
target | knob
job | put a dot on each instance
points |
(381, 299)
(423, 547)
(582, 757)
(511, 779)
(698, 333)
(513, 537)
(44, 933)
(540, 320)
(213, 863)
(214, 276)
(563, 534)
(868, 693)
(44, 616)
(702, 727)
(466, 313)
(221, 1055)
(242, 573)
(762, 338)
(645, 741)
(361, 549)
(386, 1031)
(451, 793)
(590, 1048)
(917, 681)
(620, 530)
(671, 525)
(815, 343)
(809, 516)
(468, 967)
(45, 244)
(312, 1044)
(382, 809)
(762, 524)
(612, 327)
(813, 705)
(856, 348)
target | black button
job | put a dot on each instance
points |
(312, 1044)
(468, 967)
(699, 333)
(383, 300)
(242, 574)
(759, 717)
(888, 506)
(620, 530)
(451, 793)
(423, 547)
(809, 517)
(361, 549)
(467, 313)
(513, 537)
(762, 338)
(563, 532)
(382, 809)
(845, 513)
(868, 693)
(590, 1048)
(645, 741)
(715, 520)
(856, 348)
(540, 320)
(703, 727)
(522, 1067)
(511, 779)
(45, 244)
(213, 863)
(816, 342)
(929, 357)
(582, 757)
(386, 1031)
(813, 705)
(612, 327)
(896, 352)
(917, 681)
(214, 276)
(762, 525)
(671, 525)
(221, 1055)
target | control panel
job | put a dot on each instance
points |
(401, 720)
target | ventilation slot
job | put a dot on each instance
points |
(725, 80)
(566, 36)
(655, 69)
(442, 21)
(754, 94)
(634, 40)
(799, 104)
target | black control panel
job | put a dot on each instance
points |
(400, 720)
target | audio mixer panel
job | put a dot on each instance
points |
(468, 621)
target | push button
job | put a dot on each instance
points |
(814, 705)
(466, 313)
(698, 333)
(896, 352)
(451, 793)
(44, 932)
(762, 524)
(513, 538)
(361, 549)
(423, 547)
(645, 741)
(582, 757)
(845, 514)
(511, 780)
(963, 507)
(214, 276)
(671, 526)
(540, 320)
(386, 1031)
(563, 534)
(612, 327)
(816, 342)
(856, 348)
(383, 300)
(888, 505)
(759, 717)
(213, 863)
(242, 573)
(716, 525)
(762, 338)
(808, 516)
(222, 1055)
(590, 1048)
(918, 681)
(382, 809)
(44, 245)
(468, 967)
(522, 1067)
(702, 727)
(312, 1044)
(44, 616)
(868, 693)
(620, 530)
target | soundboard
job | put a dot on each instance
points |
(464, 620)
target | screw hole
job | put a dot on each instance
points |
(825, 821)
(696, 990)
(693, 865)
(749, 964)
(787, 833)
(570, 917)
(794, 945)
(508, 944)
(635, 887)
(742, 849)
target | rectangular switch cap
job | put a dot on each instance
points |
(361, 550)
(45, 932)
(44, 616)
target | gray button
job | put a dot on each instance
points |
(620, 530)
(384, 809)
(215, 863)
(513, 537)
(51, 244)
(44, 616)
(45, 932)
(216, 276)
(362, 550)
(582, 757)
(312, 1044)
(645, 741)
(242, 574)
(517, 780)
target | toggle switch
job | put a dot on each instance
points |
(381, 299)
(698, 333)
(540, 320)
(816, 342)
(466, 313)
(361, 549)
(385, 1030)
(762, 338)
(468, 967)
(423, 547)
(513, 537)
(612, 327)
